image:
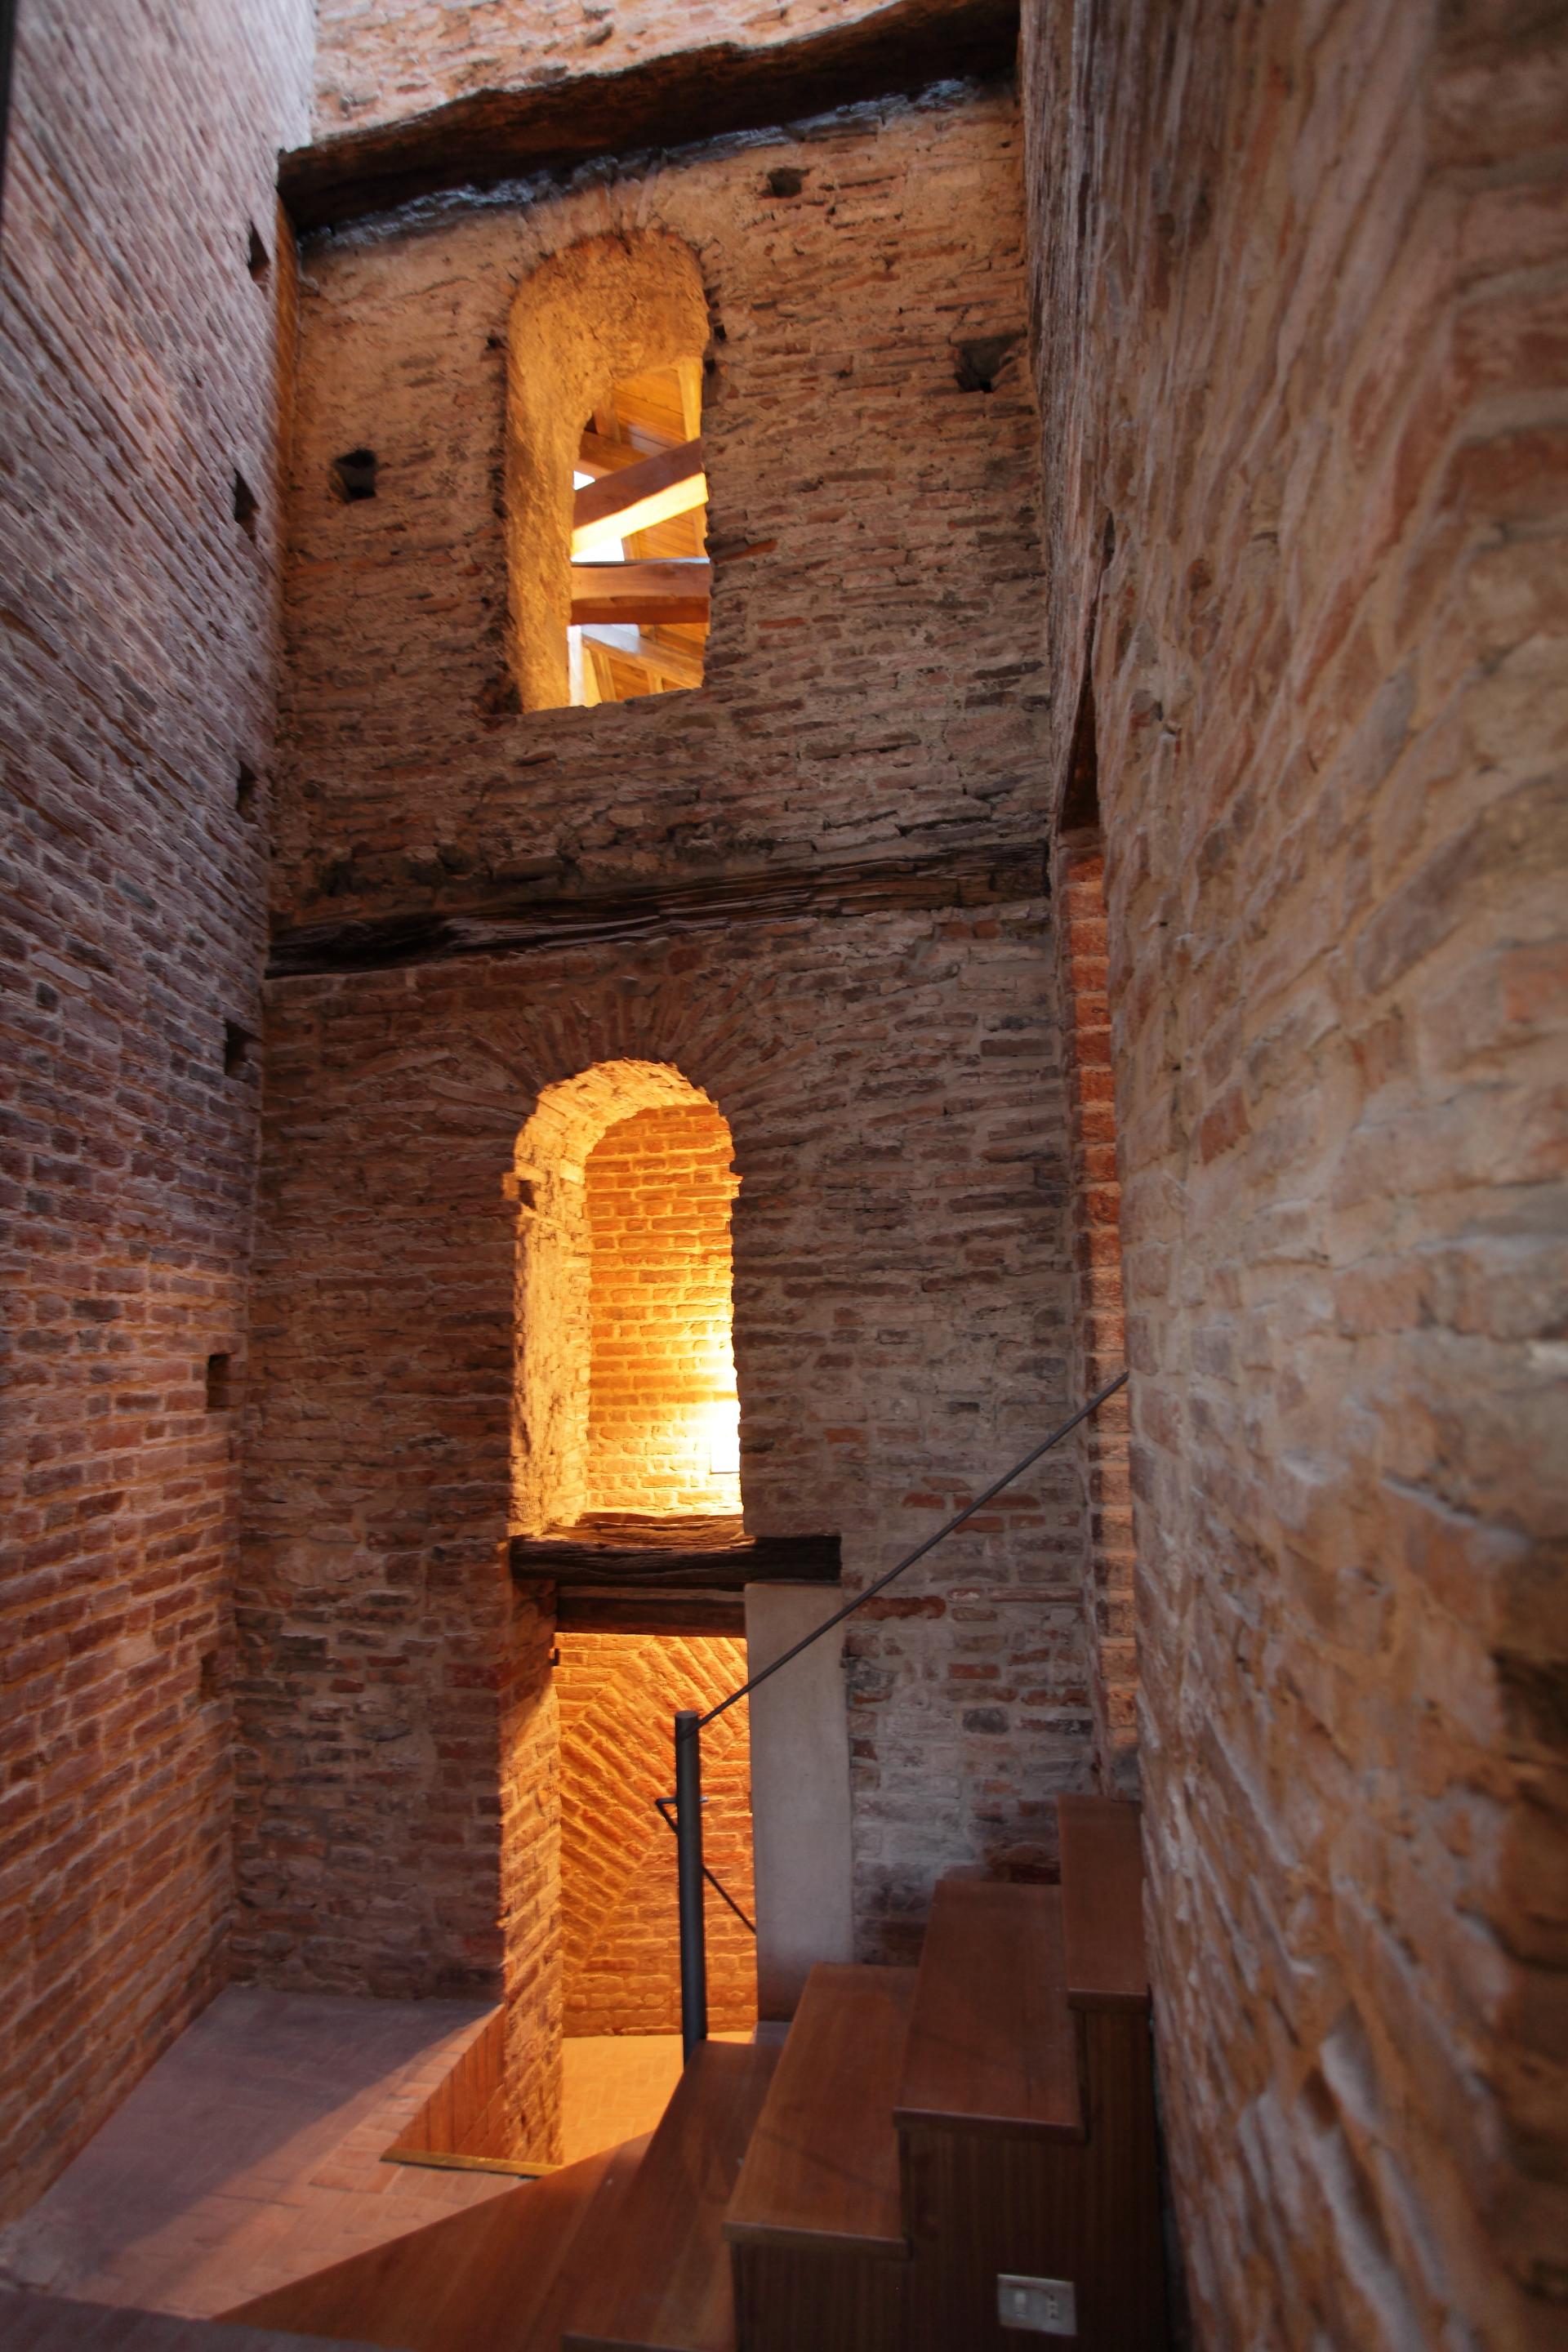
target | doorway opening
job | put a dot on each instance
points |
(627, 1437)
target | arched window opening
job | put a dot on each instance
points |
(640, 541)
(627, 1402)
(606, 484)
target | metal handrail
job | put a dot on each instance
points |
(689, 1727)
(665, 1808)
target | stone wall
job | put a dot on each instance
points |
(620, 1923)
(379, 61)
(142, 350)
(1299, 339)
(658, 1190)
(873, 676)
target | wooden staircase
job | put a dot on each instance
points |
(921, 2134)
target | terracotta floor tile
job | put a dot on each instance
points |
(249, 2155)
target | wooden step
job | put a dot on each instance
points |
(1102, 1903)
(497, 2277)
(822, 2171)
(664, 2285)
(991, 2045)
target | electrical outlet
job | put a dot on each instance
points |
(1044, 2306)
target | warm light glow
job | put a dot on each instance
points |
(605, 537)
(724, 1437)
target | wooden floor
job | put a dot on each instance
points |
(919, 2133)
(500, 2278)
(668, 2288)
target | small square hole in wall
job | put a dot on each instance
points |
(786, 181)
(220, 1383)
(977, 365)
(353, 477)
(244, 788)
(236, 1045)
(245, 505)
(259, 261)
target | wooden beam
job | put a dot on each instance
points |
(638, 496)
(680, 665)
(659, 589)
(665, 102)
(524, 923)
(598, 455)
(729, 1567)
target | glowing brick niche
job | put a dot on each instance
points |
(626, 1389)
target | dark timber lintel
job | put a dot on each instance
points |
(725, 1565)
(494, 136)
(522, 924)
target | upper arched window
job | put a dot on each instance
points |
(607, 486)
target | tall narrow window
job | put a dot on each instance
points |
(606, 484)
(626, 1397)
(639, 540)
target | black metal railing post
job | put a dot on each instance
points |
(688, 1874)
(688, 1728)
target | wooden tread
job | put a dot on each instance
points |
(991, 2046)
(821, 2174)
(1102, 1903)
(495, 2277)
(664, 2285)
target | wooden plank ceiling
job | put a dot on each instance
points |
(657, 585)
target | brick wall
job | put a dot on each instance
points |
(1300, 347)
(141, 361)
(1099, 1323)
(659, 1191)
(378, 60)
(873, 676)
(902, 1268)
(621, 1958)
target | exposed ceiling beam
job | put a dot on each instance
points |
(666, 590)
(680, 665)
(637, 498)
(598, 455)
(666, 101)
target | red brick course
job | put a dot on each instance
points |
(1100, 1328)
(139, 355)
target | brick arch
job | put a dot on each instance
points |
(623, 1288)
